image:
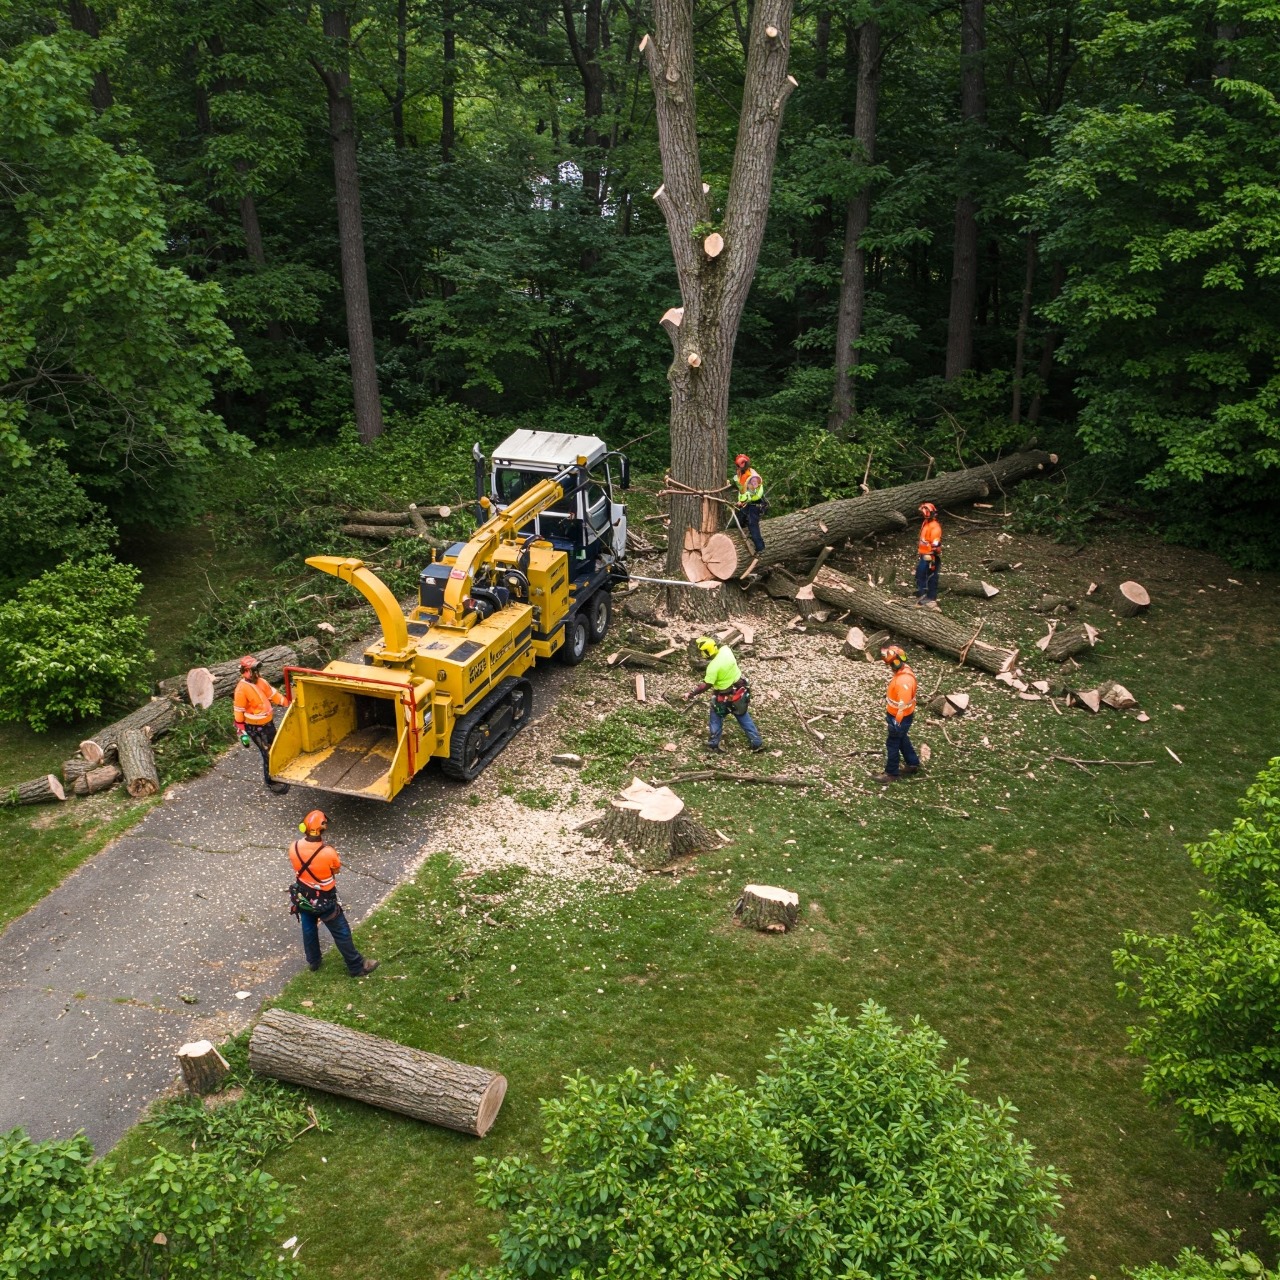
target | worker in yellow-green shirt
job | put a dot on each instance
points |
(730, 693)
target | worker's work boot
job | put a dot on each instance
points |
(910, 768)
(713, 746)
(367, 968)
(932, 604)
(884, 778)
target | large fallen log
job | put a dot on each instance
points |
(951, 639)
(323, 1055)
(138, 764)
(39, 790)
(204, 684)
(806, 532)
(154, 718)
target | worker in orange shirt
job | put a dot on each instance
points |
(253, 704)
(929, 546)
(314, 896)
(900, 708)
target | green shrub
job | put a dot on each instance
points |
(1051, 508)
(64, 1217)
(70, 644)
(858, 1154)
(1209, 1035)
(1191, 1265)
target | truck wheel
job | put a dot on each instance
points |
(576, 634)
(599, 615)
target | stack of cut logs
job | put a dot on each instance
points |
(122, 752)
(387, 526)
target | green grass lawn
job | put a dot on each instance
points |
(997, 930)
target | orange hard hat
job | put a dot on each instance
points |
(248, 662)
(742, 461)
(892, 655)
(928, 509)
(314, 823)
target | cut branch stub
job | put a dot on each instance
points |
(713, 245)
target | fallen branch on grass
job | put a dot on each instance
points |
(1118, 764)
(723, 775)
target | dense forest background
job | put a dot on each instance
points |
(239, 223)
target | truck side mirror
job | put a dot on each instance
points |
(624, 468)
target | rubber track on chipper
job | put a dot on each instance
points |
(481, 734)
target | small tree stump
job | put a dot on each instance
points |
(103, 778)
(769, 909)
(138, 764)
(1130, 598)
(323, 1055)
(39, 790)
(651, 824)
(203, 1067)
(864, 644)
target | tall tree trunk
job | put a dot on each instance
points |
(1024, 323)
(84, 19)
(355, 280)
(714, 278)
(853, 275)
(964, 265)
(1047, 344)
(402, 62)
(822, 43)
(586, 56)
(448, 83)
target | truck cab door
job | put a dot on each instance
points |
(617, 518)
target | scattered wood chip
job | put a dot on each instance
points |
(568, 760)
(1143, 717)
(1174, 754)
(1093, 586)
(640, 694)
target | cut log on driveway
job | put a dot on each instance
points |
(39, 790)
(951, 639)
(805, 532)
(323, 1055)
(155, 719)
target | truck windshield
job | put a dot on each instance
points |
(509, 484)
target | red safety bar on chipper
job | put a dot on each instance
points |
(393, 684)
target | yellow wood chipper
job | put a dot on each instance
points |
(447, 680)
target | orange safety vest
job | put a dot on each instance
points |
(930, 537)
(901, 697)
(253, 702)
(323, 867)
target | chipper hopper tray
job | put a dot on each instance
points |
(352, 729)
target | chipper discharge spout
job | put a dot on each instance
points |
(356, 729)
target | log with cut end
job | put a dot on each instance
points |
(1131, 598)
(638, 658)
(930, 628)
(950, 705)
(203, 1067)
(382, 1073)
(651, 824)
(379, 517)
(75, 769)
(768, 908)
(138, 764)
(960, 585)
(103, 778)
(1114, 695)
(1066, 642)
(1051, 604)
(781, 585)
(41, 790)
(154, 718)
(864, 644)
(204, 684)
(805, 532)
(1088, 698)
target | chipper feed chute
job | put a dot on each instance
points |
(352, 729)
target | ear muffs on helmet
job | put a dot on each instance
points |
(314, 823)
(707, 646)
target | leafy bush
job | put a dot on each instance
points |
(194, 743)
(1195, 1266)
(70, 644)
(63, 1217)
(1210, 997)
(858, 1154)
(1051, 508)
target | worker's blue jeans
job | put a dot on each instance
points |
(341, 933)
(716, 725)
(927, 579)
(899, 742)
(263, 736)
(750, 512)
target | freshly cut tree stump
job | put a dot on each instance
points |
(651, 824)
(138, 764)
(322, 1055)
(204, 684)
(938, 632)
(804, 533)
(1130, 598)
(39, 790)
(863, 644)
(1116, 696)
(155, 718)
(767, 908)
(960, 585)
(203, 1067)
(103, 778)
(1066, 642)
